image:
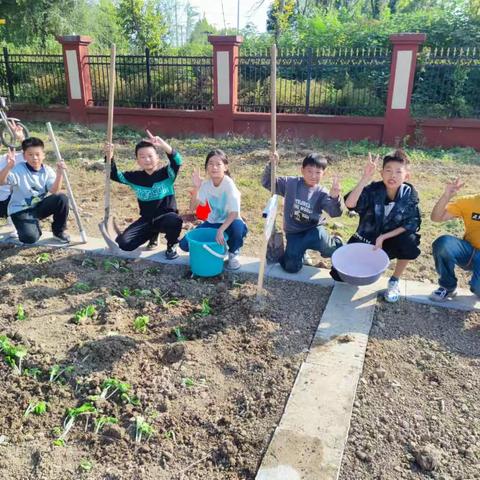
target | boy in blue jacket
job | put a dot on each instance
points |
(389, 214)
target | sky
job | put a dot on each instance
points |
(250, 11)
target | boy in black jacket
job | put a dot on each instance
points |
(153, 186)
(389, 214)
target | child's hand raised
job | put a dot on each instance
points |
(108, 150)
(452, 187)
(371, 166)
(197, 179)
(335, 190)
(11, 158)
(17, 131)
(158, 142)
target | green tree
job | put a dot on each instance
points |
(201, 31)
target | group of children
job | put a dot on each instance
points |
(389, 217)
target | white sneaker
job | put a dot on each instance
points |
(13, 233)
(233, 261)
(307, 259)
(392, 294)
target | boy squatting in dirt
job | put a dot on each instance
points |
(305, 200)
(450, 251)
(34, 193)
(153, 186)
(389, 215)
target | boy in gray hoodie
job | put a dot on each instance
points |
(305, 201)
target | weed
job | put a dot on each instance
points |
(179, 337)
(142, 428)
(206, 309)
(89, 263)
(85, 465)
(101, 302)
(56, 371)
(140, 323)
(161, 299)
(32, 372)
(170, 435)
(81, 287)
(21, 314)
(37, 408)
(102, 421)
(84, 314)
(12, 353)
(43, 258)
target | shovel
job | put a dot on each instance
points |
(83, 235)
(275, 246)
(106, 226)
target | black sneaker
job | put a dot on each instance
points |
(62, 237)
(171, 252)
(335, 275)
(152, 244)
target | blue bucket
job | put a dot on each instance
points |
(206, 255)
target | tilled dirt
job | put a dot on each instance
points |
(210, 374)
(416, 413)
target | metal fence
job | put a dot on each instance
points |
(328, 82)
(447, 84)
(35, 79)
(154, 81)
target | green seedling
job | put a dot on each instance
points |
(111, 386)
(142, 428)
(59, 442)
(188, 382)
(179, 335)
(113, 264)
(161, 299)
(81, 287)
(206, 309)
(37, 408)
(84, 314)
(170, 435)
(102, 421)
(32, 372)
(13, 354)
(89, 263)
(43, 258)
(56, 371)
(101, 302)
(56, 431)
(21, 314)
(85, 465)
(86, 410)
(140, 323)
(152, 270)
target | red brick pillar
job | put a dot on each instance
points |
(225, 81)
(77, 71)
(402, 73)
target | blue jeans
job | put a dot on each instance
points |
(449, 251)
(315, 238)
(236, 232)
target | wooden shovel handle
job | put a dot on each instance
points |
(111, 98)
(273, 111)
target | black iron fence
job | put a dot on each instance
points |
(328, 82)
(447, 84)
(35, 79)
(154, 81)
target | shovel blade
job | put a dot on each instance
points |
(107, 235)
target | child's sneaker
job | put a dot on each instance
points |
(171, 252)
(233, 261)
(441, 294)
(13, 233)
(152, 244)
(392, 293)
(62, 237)
(307, 259)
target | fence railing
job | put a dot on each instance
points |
(447, 84)
(149, 81)
(329, 82)
(35, 79)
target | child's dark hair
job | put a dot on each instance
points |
(397, 156)
(315, 159)
(218, 153)
(32, 142)
(143, 144)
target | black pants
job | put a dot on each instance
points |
(27, 221)
(3, 208)
(142, 230)
(401, 247)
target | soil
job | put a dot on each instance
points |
(211, 373)
(416, 413)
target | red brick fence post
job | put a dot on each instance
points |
(402, 73)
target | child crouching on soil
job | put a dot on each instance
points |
(389, 215)
(153, 186)
(221, 193)
(34, 193)
(305, 201)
